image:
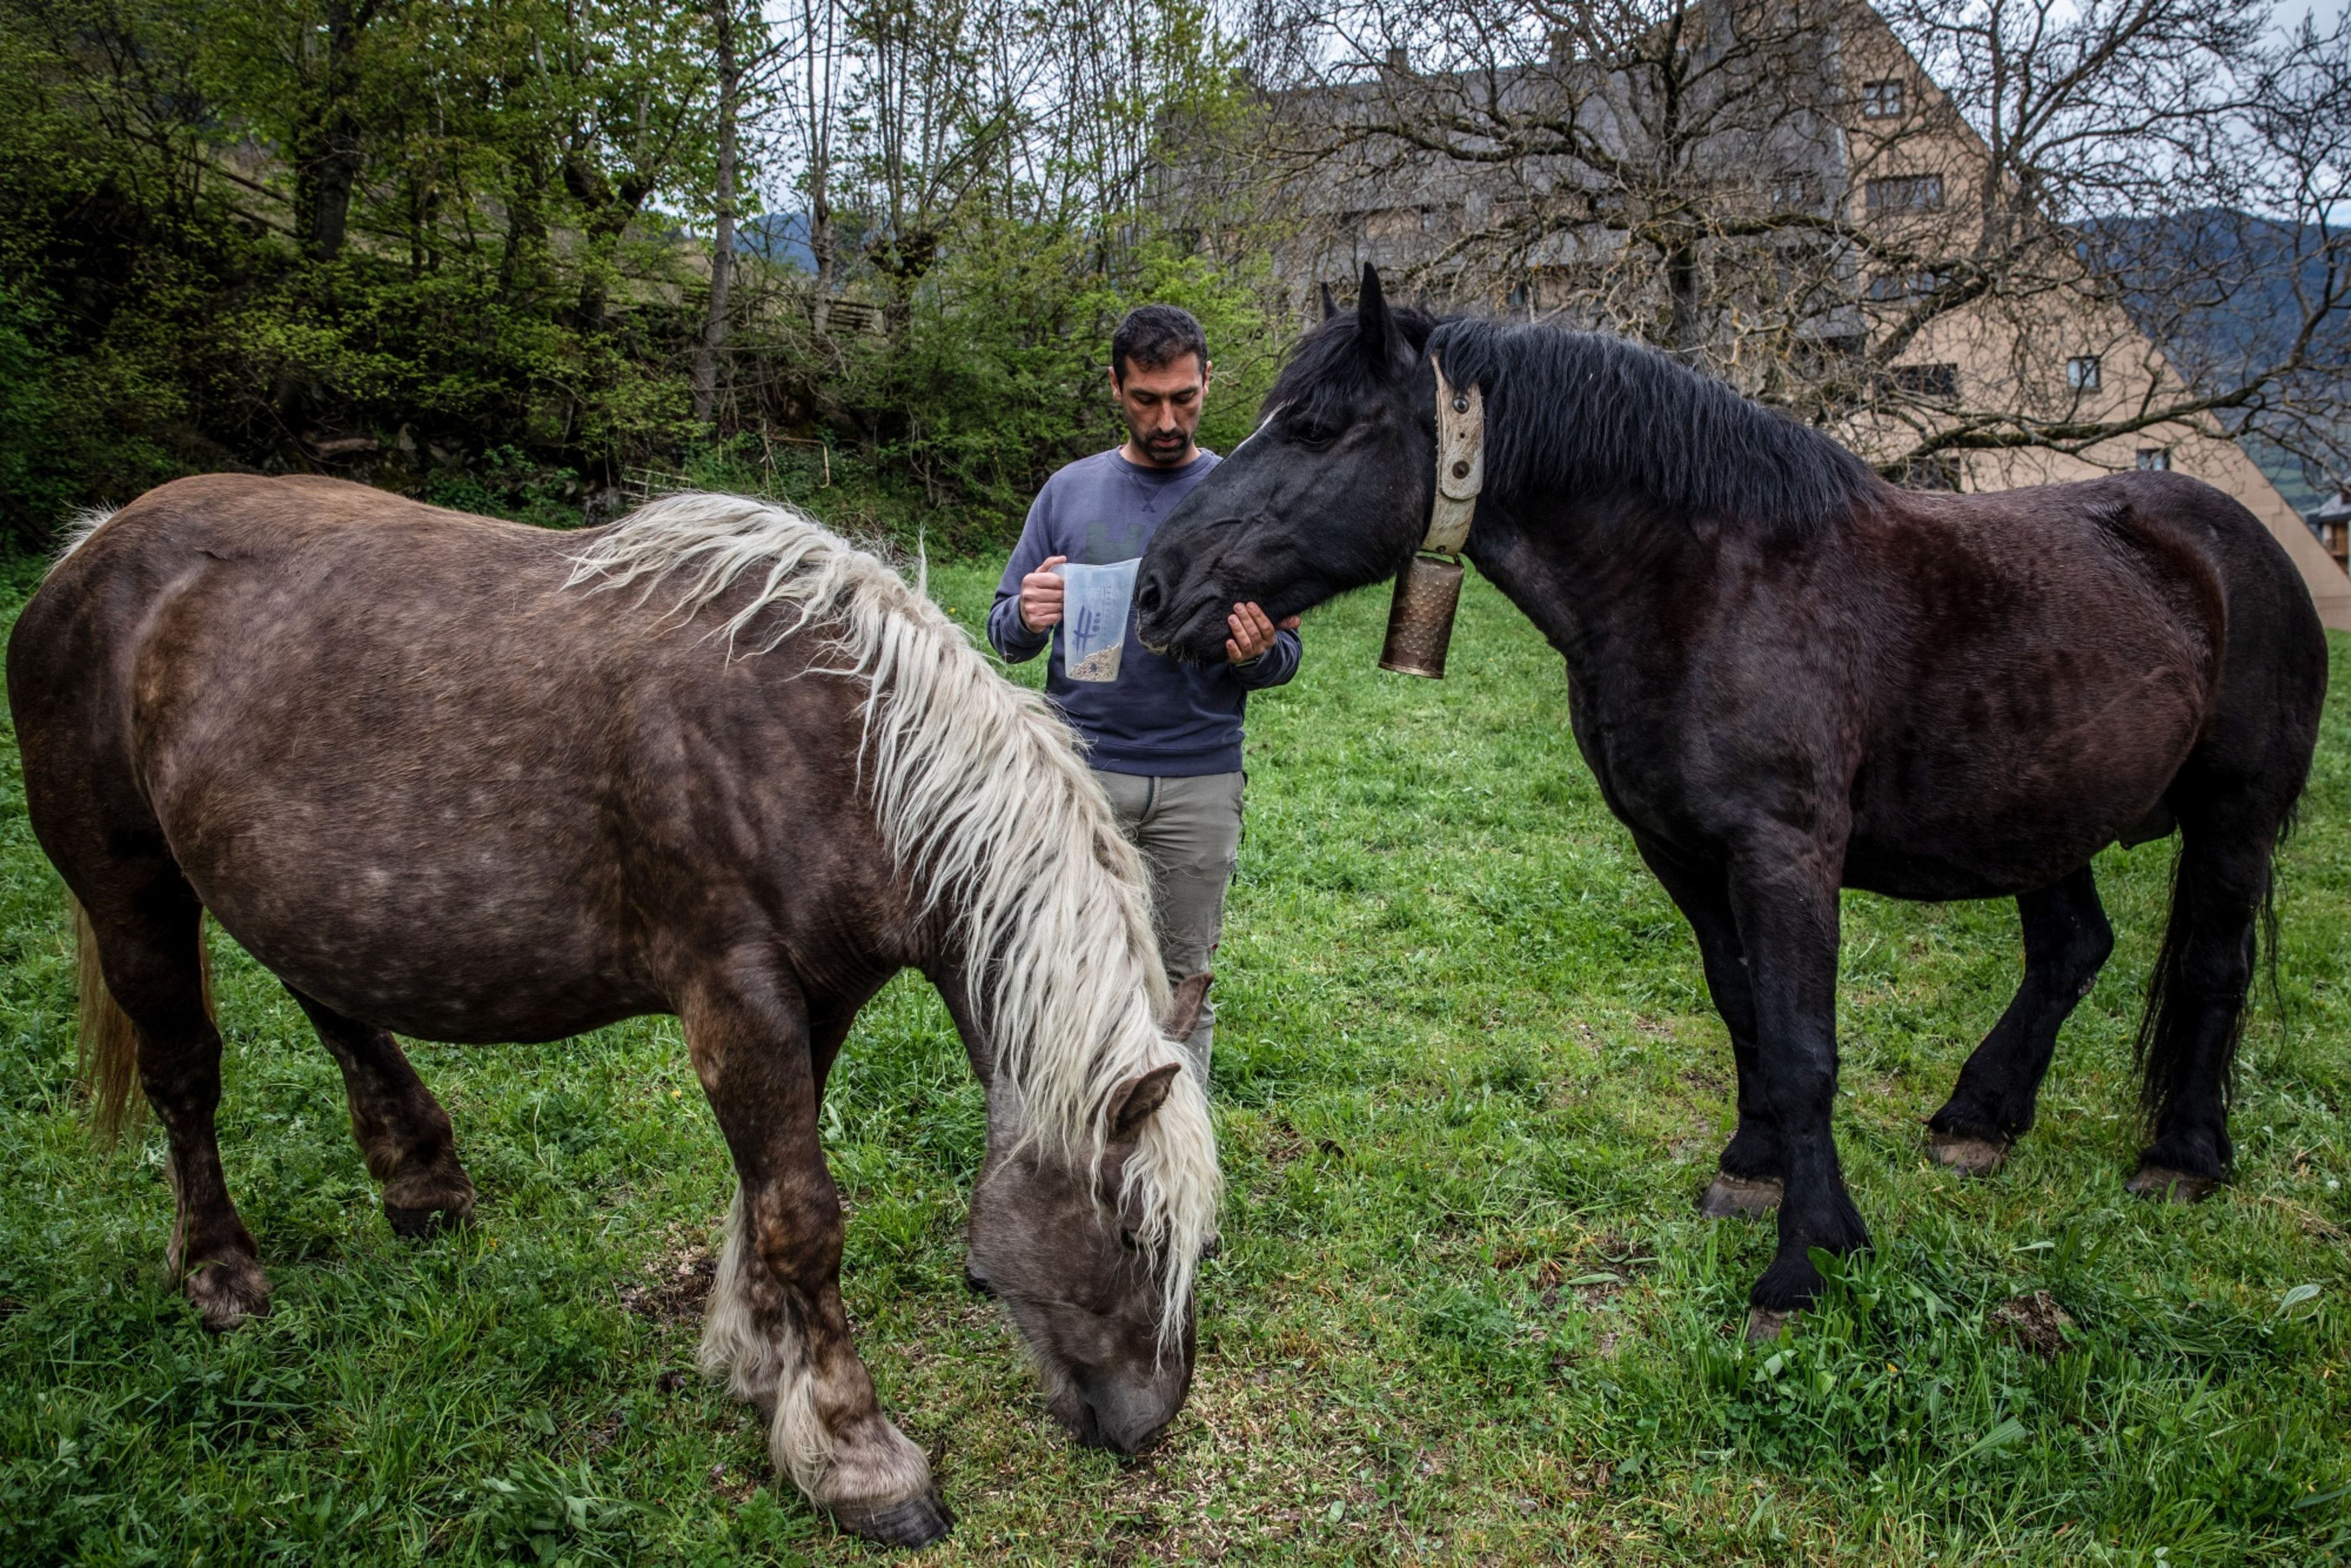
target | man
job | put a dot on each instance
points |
(1164, 737)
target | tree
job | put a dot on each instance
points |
(505, 253)
(726, 56)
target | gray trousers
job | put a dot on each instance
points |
(1189, 830)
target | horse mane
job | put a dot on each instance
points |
(1326, 378)
(1585, 414)
(1589, 414)
(78, 531)
(986, 802)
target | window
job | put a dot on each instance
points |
(2154, 459)
(1881, 101)
(2081, 373)
(1920, 381)
(1795, 190)
(1884, 285)
(1832, 355)
(1906, 193)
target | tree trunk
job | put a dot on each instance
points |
(524, 254)
(610, 211)
(819, 23)
(820, 246)
(722, 237)
(328, 161)
(1684, 332)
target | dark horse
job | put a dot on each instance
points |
(474, 782)
(1790, 677)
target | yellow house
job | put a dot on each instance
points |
(2052, 352)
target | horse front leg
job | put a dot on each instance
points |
(1784, 899)
(775, 1328)
(1748, 1178)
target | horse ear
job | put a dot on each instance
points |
(1330, 305)
(1132, 1102)
(1373, 329)
(1184, 1011)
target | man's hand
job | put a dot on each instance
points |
(1040, 596)
(1253, 633)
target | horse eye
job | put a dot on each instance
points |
(1307, 435)
(1126, 1238)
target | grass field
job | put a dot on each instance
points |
(1469, 1087)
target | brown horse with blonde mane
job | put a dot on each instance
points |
(474, 782)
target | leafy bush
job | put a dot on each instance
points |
(504, 315)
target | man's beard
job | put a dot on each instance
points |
(1165, 447)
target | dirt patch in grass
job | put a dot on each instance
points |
(675, 1284)
(733, 1485)
(2035, 1322)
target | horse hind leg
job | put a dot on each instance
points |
(402, 1132)
(2067, 941)
(150, 969)
(2196, 1001)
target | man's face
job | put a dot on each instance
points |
(1161, 405)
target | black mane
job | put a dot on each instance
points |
(1586, 414)
(1329, 378)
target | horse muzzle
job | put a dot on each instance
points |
(1123, 1421)
(1193, 629)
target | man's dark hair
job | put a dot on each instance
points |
(1154, 336)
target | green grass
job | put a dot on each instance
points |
(1469, 1085)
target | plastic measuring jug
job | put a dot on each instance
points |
(1094, 602)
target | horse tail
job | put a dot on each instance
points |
(109, 1064)
(108, 1058)
(2269, 953)
(2166, 1048)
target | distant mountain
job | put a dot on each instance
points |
(779, 237)
(2224, 291)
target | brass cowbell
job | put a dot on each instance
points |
(1428, 589)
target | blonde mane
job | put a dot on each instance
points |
(986, 803)
(78, 531)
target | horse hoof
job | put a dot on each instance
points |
(2165, 1184)
(1968, 1156)
(1732, 1195)
(1763, 1327)
(227, 1291)
(914, 1522)
(420, 1224)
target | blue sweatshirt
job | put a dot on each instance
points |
(1161, 718)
